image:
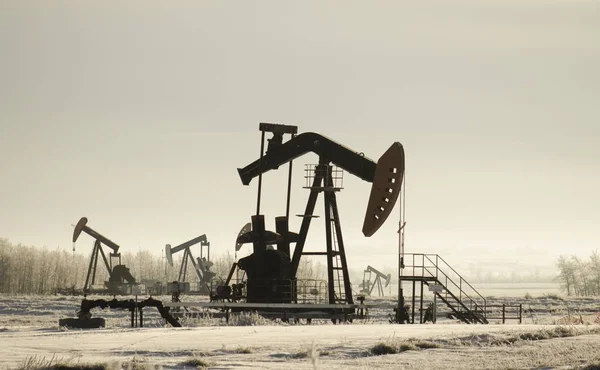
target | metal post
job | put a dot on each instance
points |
(413, 301)
(434, 308)
(183, 267)
(520, 313)
(328, 236)
(421, 305)
(98, 248)
(262, 148)
(87, 278)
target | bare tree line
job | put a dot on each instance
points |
(34, 270)
(579, 277)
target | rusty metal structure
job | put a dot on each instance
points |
(271, 273)
(120, 279)
(201, 265)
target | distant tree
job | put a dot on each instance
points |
(579, 277)
(595, 272)
(566, 274)
(222, 265)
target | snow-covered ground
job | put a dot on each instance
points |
(29, 331)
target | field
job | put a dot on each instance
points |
(555, 333)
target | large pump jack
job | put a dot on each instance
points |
(119, 274)
(272, 273)
(201, 265)
(368, 285)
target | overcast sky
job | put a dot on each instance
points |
(137, 115)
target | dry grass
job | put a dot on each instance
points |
(394, 346)
(249, 319)
(543, 348)
(236, 319)
(42, 363)
(243, 350)
(195, 362)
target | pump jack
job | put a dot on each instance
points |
(201, 266)
(272, 273)
(118, 273)
(368, 286)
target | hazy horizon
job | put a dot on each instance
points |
(137, 117)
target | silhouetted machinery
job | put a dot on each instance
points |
(120, 279)
(201, 265)
(84, 319)
(368, 285)
(271, 274)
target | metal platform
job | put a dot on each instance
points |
(285, 311)
(282, 306)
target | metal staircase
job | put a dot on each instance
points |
(431, 270)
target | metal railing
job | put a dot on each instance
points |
(433, 266)
(324, 171)
(505, 312)
(312, 291)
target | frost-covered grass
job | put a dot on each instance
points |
(42, 363)
(394, 345)
(28, 327)
(321, 347)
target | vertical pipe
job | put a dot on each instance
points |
(289, 189)
(400, 259)
(262, 148)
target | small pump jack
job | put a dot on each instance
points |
(368, 286)
(201, 265)
(118, 273)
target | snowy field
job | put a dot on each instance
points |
(551, 336)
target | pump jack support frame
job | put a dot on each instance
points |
(331, 214)
(94, 263)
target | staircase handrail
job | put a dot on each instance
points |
(461, 278)
(464, 295)
(472, 301)
(435, 265)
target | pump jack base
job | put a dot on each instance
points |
(75, 323)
